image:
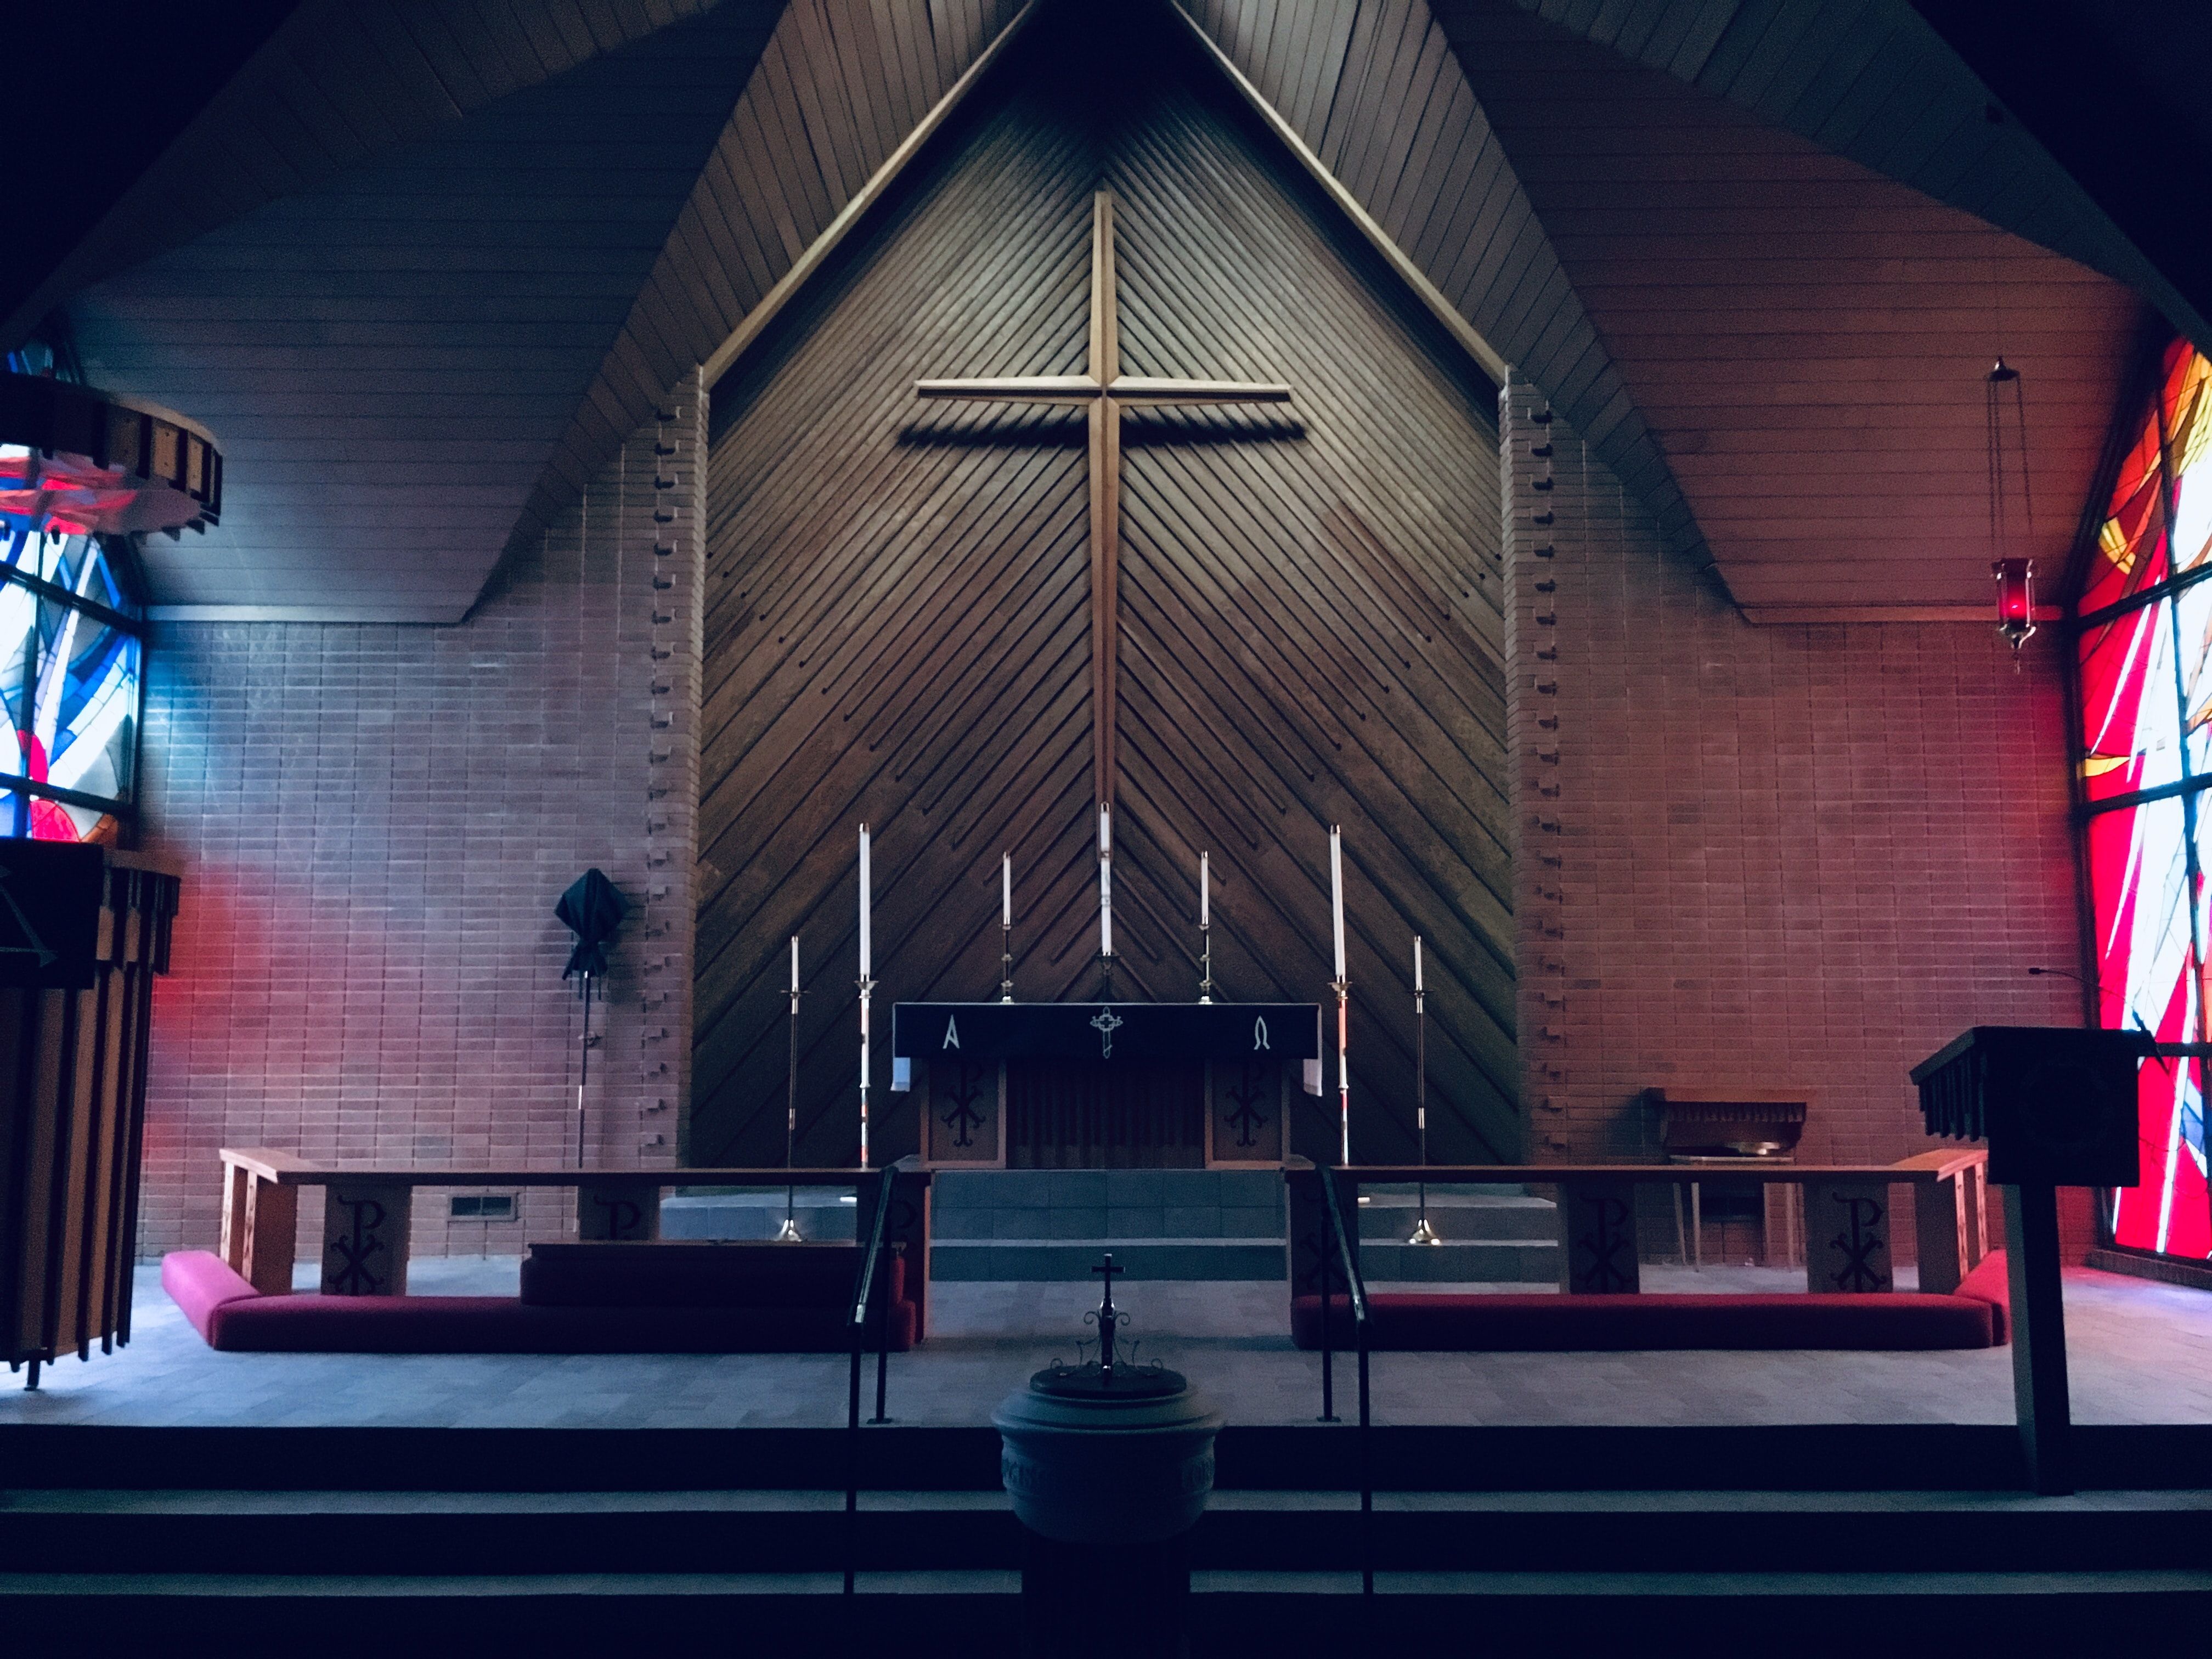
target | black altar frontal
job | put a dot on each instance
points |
(1105, 1085)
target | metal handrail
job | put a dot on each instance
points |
(864, 1286)
(1356, 1293)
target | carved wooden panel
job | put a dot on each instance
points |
(1247, 1106)
(898, 626)
(1597, 1221)
(1847, 1226)
(365, 1239)
(966, 1105)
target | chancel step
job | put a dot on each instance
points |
(824, 1215)
(1018, 1224)
(1490, 1235)
(1270, 1566)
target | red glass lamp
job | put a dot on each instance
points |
(2006, 412)
(2016, 599)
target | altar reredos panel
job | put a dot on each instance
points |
(898, 623)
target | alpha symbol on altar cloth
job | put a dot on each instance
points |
(1106, 1022)
(952, 1035)
(1260, 1036)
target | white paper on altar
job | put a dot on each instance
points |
(1313, 1077)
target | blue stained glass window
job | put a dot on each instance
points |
(70, 662)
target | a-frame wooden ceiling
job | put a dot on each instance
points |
(424, 263)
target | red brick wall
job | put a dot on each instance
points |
(373, 823)
(1782, 857)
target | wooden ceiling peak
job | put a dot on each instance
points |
(337, 83)
(1807, 337)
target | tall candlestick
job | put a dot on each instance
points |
(1336, 892)
(1106, 881)
(1006, 928)
(1205, 927)
(789, 1233)
(1343, 998)
(1423, 1233)
(867, 988)
(867, 954)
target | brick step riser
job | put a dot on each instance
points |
(1276, 1539)
(1835, 1618)
(1468, 1223)
(980, 1262)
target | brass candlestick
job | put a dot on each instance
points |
(1423, 1233)
(789, 1233)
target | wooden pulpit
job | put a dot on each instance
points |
(2057, 1106)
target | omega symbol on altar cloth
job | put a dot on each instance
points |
(1260, 1035)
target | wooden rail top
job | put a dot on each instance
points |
(287, 1170)
(1920, 1169)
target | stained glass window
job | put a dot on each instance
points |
(2145, 663)
(69, 686)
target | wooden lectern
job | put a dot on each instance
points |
(2057, 1106)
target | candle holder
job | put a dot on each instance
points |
(1005, 964)
(1205, 964)
(1423, 1233)
(1105, 977)
(1342, 986)
(867, 991)
(789, 1233)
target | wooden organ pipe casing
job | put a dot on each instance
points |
(73, 1094)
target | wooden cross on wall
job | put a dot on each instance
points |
(1104, 391)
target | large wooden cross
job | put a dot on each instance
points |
(1104, 391)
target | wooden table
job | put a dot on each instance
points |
(367, 1208)
(1847, 1209)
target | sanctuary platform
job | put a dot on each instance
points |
(2140, 1353)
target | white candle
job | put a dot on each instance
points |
(795, 964)
(1006, 891)
(867, 953)
(1105, 881)
(1416, 965)
(1205, 881)
(1336, 892)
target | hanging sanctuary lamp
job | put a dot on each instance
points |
(2005, 412)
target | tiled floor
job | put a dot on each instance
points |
(2142, 1352)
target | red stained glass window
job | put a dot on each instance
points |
(2145, 662)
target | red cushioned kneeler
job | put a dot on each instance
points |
(1554, 1323)
(234, 1319)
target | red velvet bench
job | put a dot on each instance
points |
(1975, 1316)
(675, 1296)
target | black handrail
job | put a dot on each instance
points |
(864, 1286)
(1356, 1293)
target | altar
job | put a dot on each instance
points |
(1105, 1085)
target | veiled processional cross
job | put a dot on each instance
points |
(1104, 391)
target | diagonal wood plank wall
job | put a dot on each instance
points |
(898, 624)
